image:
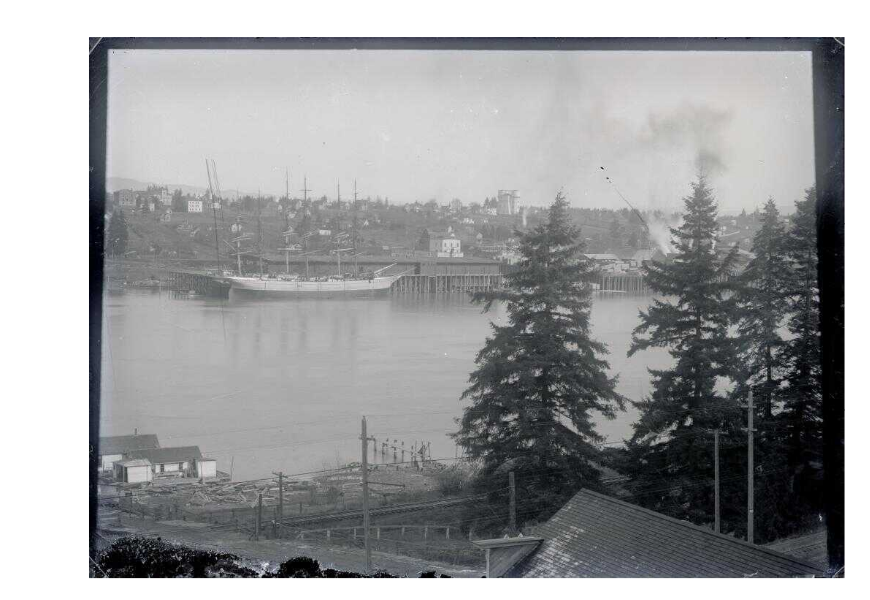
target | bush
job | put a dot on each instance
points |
(152, 557)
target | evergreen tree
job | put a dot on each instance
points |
(762, 305)
(116, 234)
(762, 300)
(670, 455)
(539, 377)
(801, 416)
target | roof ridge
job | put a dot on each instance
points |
(698, 528)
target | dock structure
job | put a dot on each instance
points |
(446, 284)
(623, 283)
(199, 283)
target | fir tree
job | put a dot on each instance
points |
(116, 234)
(540, 377)
(801, 417)
(762, 304)
(762, 299)
(670, 455)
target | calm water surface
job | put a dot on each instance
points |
(268, 385)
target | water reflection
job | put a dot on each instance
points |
(275, 385)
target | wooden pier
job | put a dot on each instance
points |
(625, 284)
(446, 284)
(198, 283)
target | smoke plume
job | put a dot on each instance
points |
(698, 130)
(660, 231)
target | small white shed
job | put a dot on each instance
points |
(206, 467)
(133, 470)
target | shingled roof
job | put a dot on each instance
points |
(122, 444)
(168, 455)
(811, 548)
(595, 535)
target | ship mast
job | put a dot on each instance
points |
(259, 232)
(217, 248)
(305, 190)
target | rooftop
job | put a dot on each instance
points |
(134, 462)
(122, 444)
(595, 535)
(811, 548)
(168, 455)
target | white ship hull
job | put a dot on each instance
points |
(305, 288)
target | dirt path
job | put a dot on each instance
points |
(274, 552)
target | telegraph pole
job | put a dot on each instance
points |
(259, 515)
(512, 522)
(365, 486)
(280, 475)
(750, 523)
(716, 477)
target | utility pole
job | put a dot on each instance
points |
(280, 475)
(355, 206)
(750, 515)
(338, 185)
(716, 433)
(365, 485)
(259, 515)
(512, 522)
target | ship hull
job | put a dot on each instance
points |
(313, 289)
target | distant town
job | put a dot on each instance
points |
(172, 224)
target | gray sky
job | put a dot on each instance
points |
(415, 125)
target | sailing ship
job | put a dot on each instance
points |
(371, 285)
(341, 285)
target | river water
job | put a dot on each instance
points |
(268, 385)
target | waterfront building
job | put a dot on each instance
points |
(183, 461)
(118, 447)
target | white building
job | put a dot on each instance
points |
(184, 461)
(133, 470)
(126, 198)
(194, 206)
(445, 247)
(119, 447)
(508, 202)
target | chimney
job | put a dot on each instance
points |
(136, 431)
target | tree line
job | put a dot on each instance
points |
(541, 378)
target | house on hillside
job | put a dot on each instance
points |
(119, 447)
(183, 461)
(125, 198)
(595, 535)
(194, 206)
(445, 246)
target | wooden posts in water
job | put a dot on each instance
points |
(199, 283)
(445, 284)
